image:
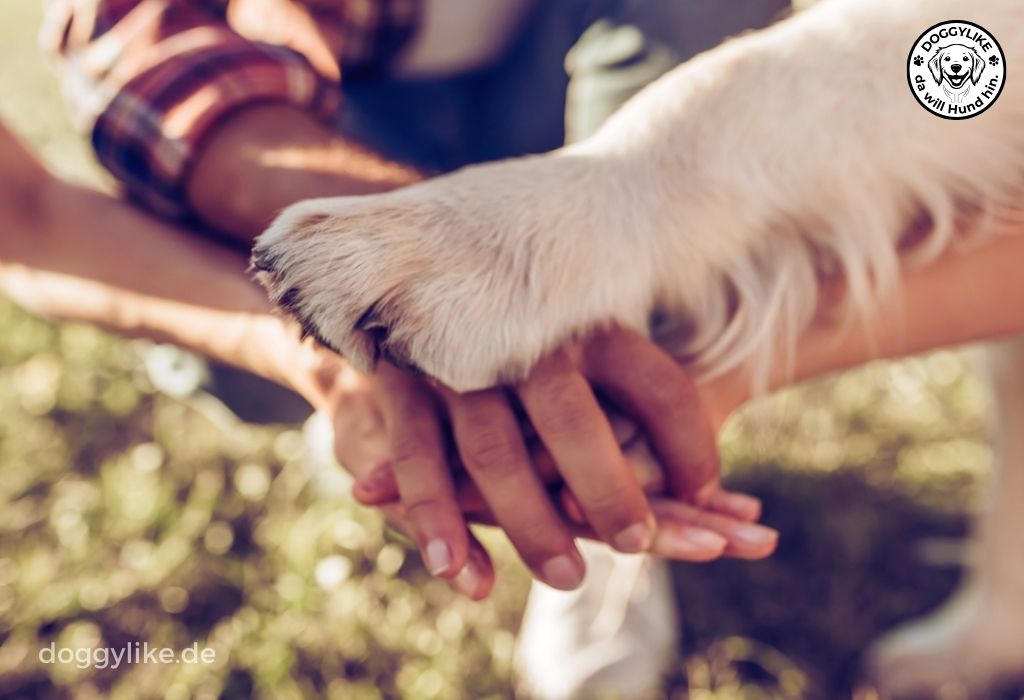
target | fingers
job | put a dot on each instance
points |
(687, 533)
(378, 487)
(360, 439)
(361, 442)
(489, 441)
(575, 431)
(684, 542)
(421, 470)
(736, 505)
(475, 580)
(744, 540)
(649, 385)
(674, 539)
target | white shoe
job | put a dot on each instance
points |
(616, 636)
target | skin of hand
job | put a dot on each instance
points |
(504, 480)
(365, 446)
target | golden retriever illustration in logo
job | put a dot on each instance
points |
(956, 69)
(959, 67)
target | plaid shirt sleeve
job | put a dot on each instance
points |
(151, 78)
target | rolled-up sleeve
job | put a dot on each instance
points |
(149, 79)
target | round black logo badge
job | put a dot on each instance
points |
(956, 69)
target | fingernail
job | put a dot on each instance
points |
(688, 542)
(705, 539)
(438, 557)
(468, 580)
(562, 572)
(741, 503)
(635, 538)
(755, 535)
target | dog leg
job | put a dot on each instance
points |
(718, 196)
(977, 638)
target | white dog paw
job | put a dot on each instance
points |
(469, 278)
(960, 652)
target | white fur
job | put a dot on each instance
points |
(720, 194)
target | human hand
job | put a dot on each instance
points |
(362, 445)
(576, 442)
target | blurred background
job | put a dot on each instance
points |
(127, 514)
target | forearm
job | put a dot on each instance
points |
(964, 297)
(81, 255)
(961, 298)
(266, 157)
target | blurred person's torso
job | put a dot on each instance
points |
(455, 36)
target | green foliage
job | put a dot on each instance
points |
(129, 516)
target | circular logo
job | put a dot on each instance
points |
(956, 69)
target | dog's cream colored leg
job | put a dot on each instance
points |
(717, 196)
(977, 638)
(1001, 544)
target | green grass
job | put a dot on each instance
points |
(126, 515)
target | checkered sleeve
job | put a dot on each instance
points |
(151, 78)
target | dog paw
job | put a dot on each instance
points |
(469, 278)
(964, 650)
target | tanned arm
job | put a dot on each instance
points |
(965, 297)
(266, 157)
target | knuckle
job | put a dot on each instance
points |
(424, 506)
(553, 386)
(536, 543)
(666, 390)
(547, 384)
(609, 506)
(404, 402)
(477, 415)
(412, 448)
(492, 452)
(566, 413)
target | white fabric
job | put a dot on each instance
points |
(614, 636)
(455, 36)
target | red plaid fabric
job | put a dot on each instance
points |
(150, 78)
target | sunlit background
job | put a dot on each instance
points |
(129, 515)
